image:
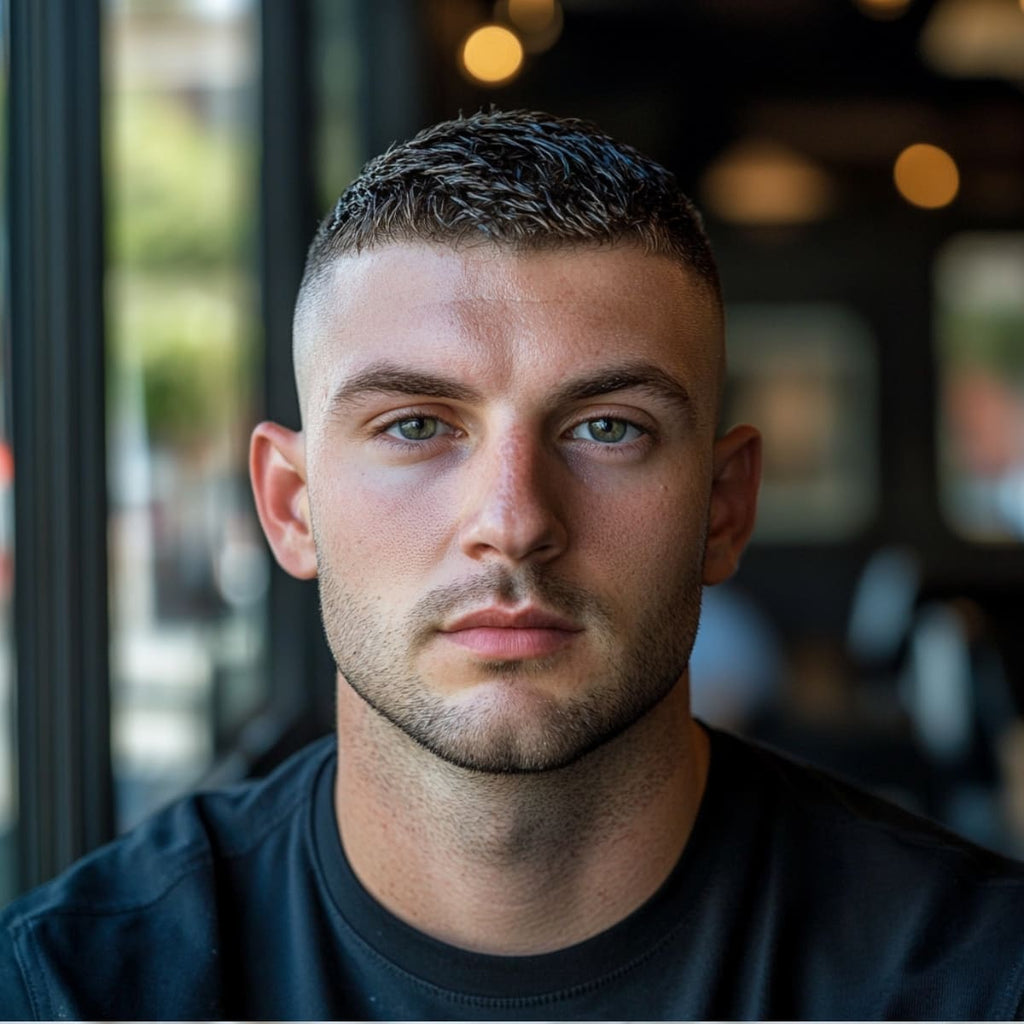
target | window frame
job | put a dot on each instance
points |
(57, 373)
(56, 222)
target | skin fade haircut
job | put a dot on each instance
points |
(521, 180)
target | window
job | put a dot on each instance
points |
(8, 752)
(188, 569)
(804, 374)
(979, 288)
(337, 62)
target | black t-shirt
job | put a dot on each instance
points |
(797, 896)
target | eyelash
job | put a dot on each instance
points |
(383, 431)
(621, 444)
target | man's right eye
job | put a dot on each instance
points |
(416, 428)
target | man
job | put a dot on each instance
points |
(508, 483)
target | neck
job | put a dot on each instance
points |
(517, 864)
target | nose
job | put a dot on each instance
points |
(512, 509)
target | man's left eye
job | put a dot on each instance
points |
(418, 428)
(606, 430)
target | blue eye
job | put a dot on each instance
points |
(606, 430)
(416, 428)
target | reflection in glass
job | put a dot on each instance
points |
(980, 333)
(804, 373)
(188, 571)
(8, 709)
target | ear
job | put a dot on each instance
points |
(277, 467)
(737, 474)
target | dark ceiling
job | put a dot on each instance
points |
(685, 79)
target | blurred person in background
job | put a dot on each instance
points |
(510, 487)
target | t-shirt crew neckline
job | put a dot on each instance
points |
(579, 967)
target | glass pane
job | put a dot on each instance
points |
(979, 290)
(338, 64)
(804, 373)
(188, 568)
(8, 749)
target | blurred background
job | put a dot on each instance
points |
(860, 164)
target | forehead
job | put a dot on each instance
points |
(489, 312)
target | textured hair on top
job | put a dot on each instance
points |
(517, 179)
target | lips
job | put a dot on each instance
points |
(508, 634)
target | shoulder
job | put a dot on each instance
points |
(147, 899)
(817, 804)
(924, 911)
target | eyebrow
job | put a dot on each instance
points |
(639, 376)
(387, 378)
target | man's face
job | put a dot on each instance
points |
(509, 463)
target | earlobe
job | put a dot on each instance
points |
(277, 468)
(737, 475)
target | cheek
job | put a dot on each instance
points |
(370, 519)
(654, 528)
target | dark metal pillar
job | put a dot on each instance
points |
(300, 667)
(56, 230)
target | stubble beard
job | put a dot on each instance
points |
(503, 736)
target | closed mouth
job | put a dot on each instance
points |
(511, 634)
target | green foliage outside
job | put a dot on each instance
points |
(181, 188)
(990, 339)
(185, 335)
(180, 238)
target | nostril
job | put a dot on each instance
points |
(512, 506)
(514, 527)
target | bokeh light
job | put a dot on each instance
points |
(926, 176)
(975, 39)
(532, 15)
(492, 55)
(538, 23)
(759, 182)
(883, 10)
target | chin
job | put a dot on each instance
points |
(511, 725)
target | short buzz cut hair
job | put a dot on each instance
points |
(520, 180)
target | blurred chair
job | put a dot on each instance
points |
(843, 709)
(958, 697)
(881, 613)
(736, 665)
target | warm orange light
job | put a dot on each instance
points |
(538, 23)
(758, 182)
(532, 15)
(883, 10)
(926, 176)
(492, 55)
(975, 39)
